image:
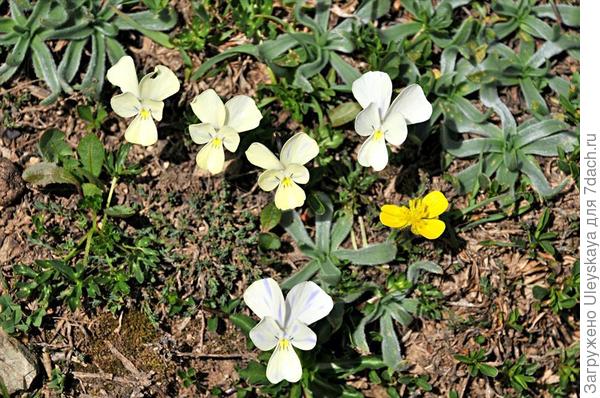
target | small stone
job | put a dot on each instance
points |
(18, 366)
(11, 183)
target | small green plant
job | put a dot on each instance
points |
(520, 373)
(475, 360)
(525, 16)
(87, 25)
(506, 153)
(560, 297)
(324, 252)
(188, 377)
(304, 54)
(395, 302)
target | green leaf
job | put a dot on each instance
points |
(270, 216)
(487, 370)
(538, 180)
(53, 146)
(390, 347)
(120, 211)
(330, 273)
(340, 230)
(344, 113)
(539, 292)
(45, 67)
(249, 49)
(269, 241)
(323, 223)
(45, 173)
(346, 71)
(304, 274)
(90, 190)
(413, 271)
(536, 131)
(242, 321)
(291, 222)
(377, 254)
(91, 154)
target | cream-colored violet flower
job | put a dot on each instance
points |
(143, 101)
(284, 324)
(384, 123)
(220, 127)
(287, 172)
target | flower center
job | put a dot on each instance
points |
(378, 134)
(418, 211)
(145, 113)
(284, 344)
(286, 183)
(216, 142)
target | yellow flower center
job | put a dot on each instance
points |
(286, 182)
(284, 344)
(216, 142)
(145, 113)
(378, 134)
(418, 211)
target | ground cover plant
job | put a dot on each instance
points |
(291, 198)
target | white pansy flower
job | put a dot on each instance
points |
(382, 122)
(143, 101)
(287, 172)
(220, 127)
(284, 324)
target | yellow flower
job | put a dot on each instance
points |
(421, 215)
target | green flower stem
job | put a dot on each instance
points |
(111, 191)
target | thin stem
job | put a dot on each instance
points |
(111, 191)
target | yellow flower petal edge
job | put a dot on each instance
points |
(394, 216)
(436, 203)
(430, 229)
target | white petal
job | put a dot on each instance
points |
(373, 87)
(289, 196)
(299, 149)
(367, 120)
(155, 108)
(264, 298)
(301, 336)
(373, 153)
(201, 133)
(395, 129)
(122, 74)
(231, 138)
(211, 157)
(284, 364)
(159, 84)
(259, 155)
(242, 113)
(298, 173)
(125, 105)
(266, 334)
(209, 108)
(412, 104)
(142, 131)
(270, 179)
(307, 303)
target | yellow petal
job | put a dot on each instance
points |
(394, 216)
(289, 195)
(436, 204)
(430, 229)
(211, 157)
(142, 131)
